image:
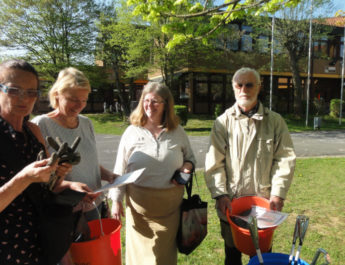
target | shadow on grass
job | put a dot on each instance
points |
(197, 129)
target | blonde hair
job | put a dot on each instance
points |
(68, 78)
(170, 120)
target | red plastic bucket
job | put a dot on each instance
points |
(241, 236)
(103, 249)
(275, 259)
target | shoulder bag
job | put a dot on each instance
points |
(193, 221)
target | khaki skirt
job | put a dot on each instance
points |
(152, 219)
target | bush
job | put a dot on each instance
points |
(182, 112)
(334, 108)
(319, 106)
(218, 110)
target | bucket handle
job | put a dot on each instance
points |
(99, 218)
(325, 254)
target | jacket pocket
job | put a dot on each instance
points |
(264, 163)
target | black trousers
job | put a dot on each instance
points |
(232, 256)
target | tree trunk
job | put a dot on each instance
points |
(122, 93)
(296, 79)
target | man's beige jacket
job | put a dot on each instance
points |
(249, 156)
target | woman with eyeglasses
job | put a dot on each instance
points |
(20, 174)
(154, 141)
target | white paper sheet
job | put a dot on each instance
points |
(122, 180)
(266, 218)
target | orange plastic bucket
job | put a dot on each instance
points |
(102, 249)
(241, 236)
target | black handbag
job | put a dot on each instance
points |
(193, 221)
(56, 219)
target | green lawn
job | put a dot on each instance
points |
(201, 125)
(316, 191)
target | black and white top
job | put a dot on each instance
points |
(19, 242)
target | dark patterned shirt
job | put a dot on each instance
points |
(19, 221)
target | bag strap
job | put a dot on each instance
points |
(189, 185)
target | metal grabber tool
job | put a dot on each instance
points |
(301, 227)
(253, 228)
(64, 153)
(325, 254)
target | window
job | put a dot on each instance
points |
(263, 44)
(321, 47)
(233, 39)
(342, 47)
(246, 40)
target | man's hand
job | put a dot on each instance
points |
(224, 203)
(276, 203)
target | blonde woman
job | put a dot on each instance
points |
(68, 96)
(157, 142)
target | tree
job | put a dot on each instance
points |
(292, 36)
(53, 34)
(182, 16)
(124, 45)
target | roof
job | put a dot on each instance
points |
(334, 21)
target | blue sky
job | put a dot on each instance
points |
(340, 4)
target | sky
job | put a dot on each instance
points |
(340, 4)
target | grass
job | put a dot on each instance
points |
(316, 191)
(201, 125)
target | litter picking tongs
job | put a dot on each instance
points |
(317, 254)
(253, 228)
(301, 226)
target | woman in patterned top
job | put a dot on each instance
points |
(20, 142)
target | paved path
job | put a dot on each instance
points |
(307, 144)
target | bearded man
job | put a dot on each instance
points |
(250, 153)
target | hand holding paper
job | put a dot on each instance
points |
(125, 179)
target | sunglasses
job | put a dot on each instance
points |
(16, 92)
(247, 85)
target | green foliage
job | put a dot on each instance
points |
(198, 19)
(319, 106)
(182, 112)
(334, 107)
(218, 110)
(53, 34)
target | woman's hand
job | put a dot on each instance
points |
(117, 210)
(61, 171)
(82, 187)
(38, 171)
(187, 167)
(107, 175)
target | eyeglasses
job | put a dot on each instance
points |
(16, 92)
(247, 85)
(153, 101)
